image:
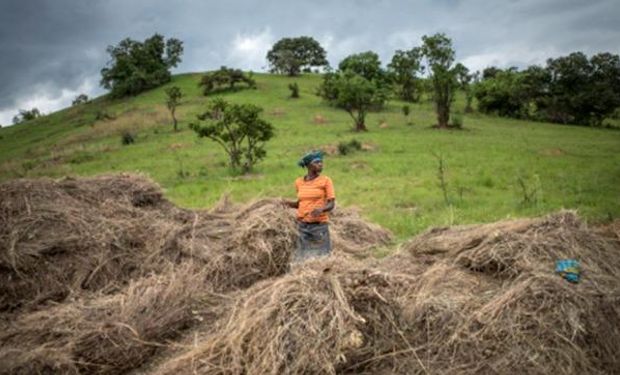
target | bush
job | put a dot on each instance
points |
(294, 90)
(457, 121)
(225, 79)
(127, 138)
(102, 115)
(345, 148)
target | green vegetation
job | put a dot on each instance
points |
(26, 115)
(568, 90)
(224, 79)
(239, 129)
(359, 86)
(295, 55)
(493, 169)
(173, 100)
(138, 66)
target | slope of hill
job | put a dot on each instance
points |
(493, 169)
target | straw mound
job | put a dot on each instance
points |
(430, 312)
(142, 285)
(57, 237)
(66, 237)
(318, 319)
(509, 248)
(105, 334)
(353, 235)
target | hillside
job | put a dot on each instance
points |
(495, 168)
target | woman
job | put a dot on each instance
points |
(315, 198)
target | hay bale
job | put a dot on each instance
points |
(105, 334)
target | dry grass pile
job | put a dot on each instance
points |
(482, 305)
(131, 273)
(106, 333)
(322, 317)
(73, 235)
(88, 234)
(353, 235)
(511, 248)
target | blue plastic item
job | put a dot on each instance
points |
(568, 269)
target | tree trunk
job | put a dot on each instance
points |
(174, 120)
(360, 126)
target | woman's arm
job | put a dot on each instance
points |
(290, 204)
(329, 205)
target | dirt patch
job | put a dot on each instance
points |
(319, 120)
(277, 112)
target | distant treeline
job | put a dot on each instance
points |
(569, 90)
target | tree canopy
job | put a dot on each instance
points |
(357, 87)
(403, 69)
(439, 54)
(238, 128)
(293, 55)
(26, 115)
(224, 79)
(138, 66)
(569, 89)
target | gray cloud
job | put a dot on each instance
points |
(53, 50)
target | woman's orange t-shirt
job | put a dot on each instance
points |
(313, 194)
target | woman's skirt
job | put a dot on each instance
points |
(313, 241)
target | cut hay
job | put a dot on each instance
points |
(59, 237)
(106, 334)
(320, 318)
(430, 311)
(132, 283)
(66, 237)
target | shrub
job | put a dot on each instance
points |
(345, 148)
(294, 90)
(127, 138)
(457, 121)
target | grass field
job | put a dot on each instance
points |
(494, 168)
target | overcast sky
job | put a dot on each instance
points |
(53, 50)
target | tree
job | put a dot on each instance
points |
(359, 86)
(464, 79)
(490, 72)
(26, 115)
(437, 50)
(353, 93)
(404, 69)
(502, 95)
(569, 90)
(224, 79)
(583, 91)
(173, 100)
(294, 55)
(139, 66)
(238, 129)
(80, 99)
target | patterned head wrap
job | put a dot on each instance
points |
(310, 157)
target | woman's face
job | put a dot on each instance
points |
(316, 166)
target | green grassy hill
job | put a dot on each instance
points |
(495, 168)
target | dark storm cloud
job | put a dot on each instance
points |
(54, 49)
